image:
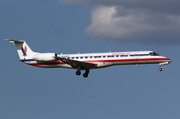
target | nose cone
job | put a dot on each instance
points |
(168, 60)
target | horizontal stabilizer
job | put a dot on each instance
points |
(13, 41)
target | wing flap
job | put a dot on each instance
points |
(75, 63)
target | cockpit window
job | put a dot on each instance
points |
(153, 54)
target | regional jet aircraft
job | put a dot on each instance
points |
(86, 61)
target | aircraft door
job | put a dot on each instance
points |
(136, 57)
(89, 58)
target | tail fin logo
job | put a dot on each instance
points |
(24, 50)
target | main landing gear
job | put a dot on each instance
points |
(85, 75)
(78, 73)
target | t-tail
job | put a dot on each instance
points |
(24, 51)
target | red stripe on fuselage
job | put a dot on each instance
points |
(103, 61)
(48, 63)
(130, 60)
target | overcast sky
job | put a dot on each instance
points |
(87, 26)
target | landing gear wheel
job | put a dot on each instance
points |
(78, 73)
(160, 69)
(85, 75)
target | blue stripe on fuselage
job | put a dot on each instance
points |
(27, 60)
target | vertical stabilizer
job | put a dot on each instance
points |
(24, 51)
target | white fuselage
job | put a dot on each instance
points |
(86, 61)
(104, 59)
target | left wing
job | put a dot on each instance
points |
(75, 63)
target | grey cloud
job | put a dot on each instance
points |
(150, 21)
(134, 25)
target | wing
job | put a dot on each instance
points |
(75, 63)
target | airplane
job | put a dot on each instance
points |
(86, 61)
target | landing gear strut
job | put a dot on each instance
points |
(160, 69)
(86, 74)
(78, 72)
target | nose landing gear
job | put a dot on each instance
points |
(160, 69)
(163, 63)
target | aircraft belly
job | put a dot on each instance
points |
(49, 64)
(55, 66)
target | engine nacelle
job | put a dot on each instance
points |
(44, 57)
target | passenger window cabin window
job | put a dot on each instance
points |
(97, 56)
(109, 56)
(134, 55)
(77, 57)
(123, 55)
(143, 54)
